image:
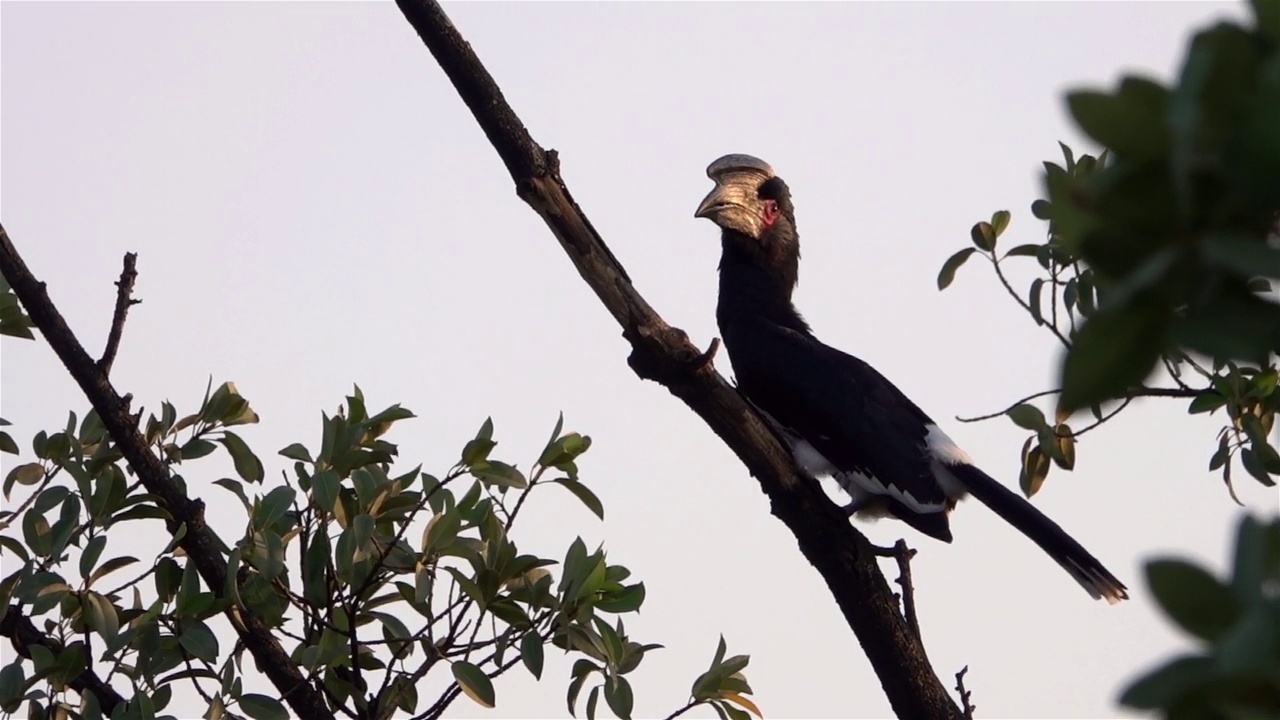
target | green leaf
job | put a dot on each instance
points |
(1115, 350)
(531, 653)
(1035, 468)
(474, 683)
(273, 506)
(196, 448)
(983, 236)
(499, 474)
(324, 486)
(617, 693)
(91, 554)
(12, 681)
(1206, 401)
(948, 273)
(263, 707)
(1131, 121)
(629, 599)
(1192, 598)
(199, 640)
(27, 474)
(236, 488)
(1161, 687)
(1000, 221)
(7, 444)
(1027, 416)
(584, 494)
(248, 466)
(111, 566)
(1033, 300)
(441, 531)
(1065, 449)
(297, 451)
(102, 615)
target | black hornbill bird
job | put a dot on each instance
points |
(839, 416)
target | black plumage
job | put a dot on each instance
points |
(839, 416)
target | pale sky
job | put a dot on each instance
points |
(313, 206)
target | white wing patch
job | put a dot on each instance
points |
(944, 452)
(944, 449)
(857, 484)
(860, 485)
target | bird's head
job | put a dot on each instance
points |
(752, 206)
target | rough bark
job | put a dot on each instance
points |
(665, 355)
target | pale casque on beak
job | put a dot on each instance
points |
(734, 203)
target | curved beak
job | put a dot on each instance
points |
(714, 202)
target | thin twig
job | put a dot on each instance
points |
(1138, 392)
(966, 706)
(903, 554)
(124, 300)
(995, 263)
(691, 705)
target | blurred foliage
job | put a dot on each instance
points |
(1179, 227)
(1235, 622)
(1159, 253)
(1157, 263)
(371, 576)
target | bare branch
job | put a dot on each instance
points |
(200, 542)
(664, 354)
(995, 263)
(903, 554)
(124, 300)
(967, 707)
(1138, 392)
(23, 634)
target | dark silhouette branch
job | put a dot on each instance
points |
(665, 355)
(903, 554)
(967, 707)
(124, 300)
(200, 542)
(1138, 392)
(23, 634)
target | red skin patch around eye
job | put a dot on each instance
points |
(770, 213)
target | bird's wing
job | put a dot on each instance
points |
(850, 413)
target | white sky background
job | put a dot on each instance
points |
(314, 206)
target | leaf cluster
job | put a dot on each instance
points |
(1236, 623)
(371, 576)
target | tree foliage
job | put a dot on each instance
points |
(1160, 254)
(373, 575)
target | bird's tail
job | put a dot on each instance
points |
(1071, 555)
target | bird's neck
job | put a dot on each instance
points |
(751, 287)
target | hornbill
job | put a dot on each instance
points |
(838, 415)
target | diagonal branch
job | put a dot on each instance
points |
(200, 542)
(23, 634)
(124, 300)
(664, 354)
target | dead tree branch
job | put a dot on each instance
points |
(665, 355)
(124, 300)
(201, 544)
(23, 634)
(903, 554)
(967, 707)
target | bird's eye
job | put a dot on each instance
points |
(769, 212)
